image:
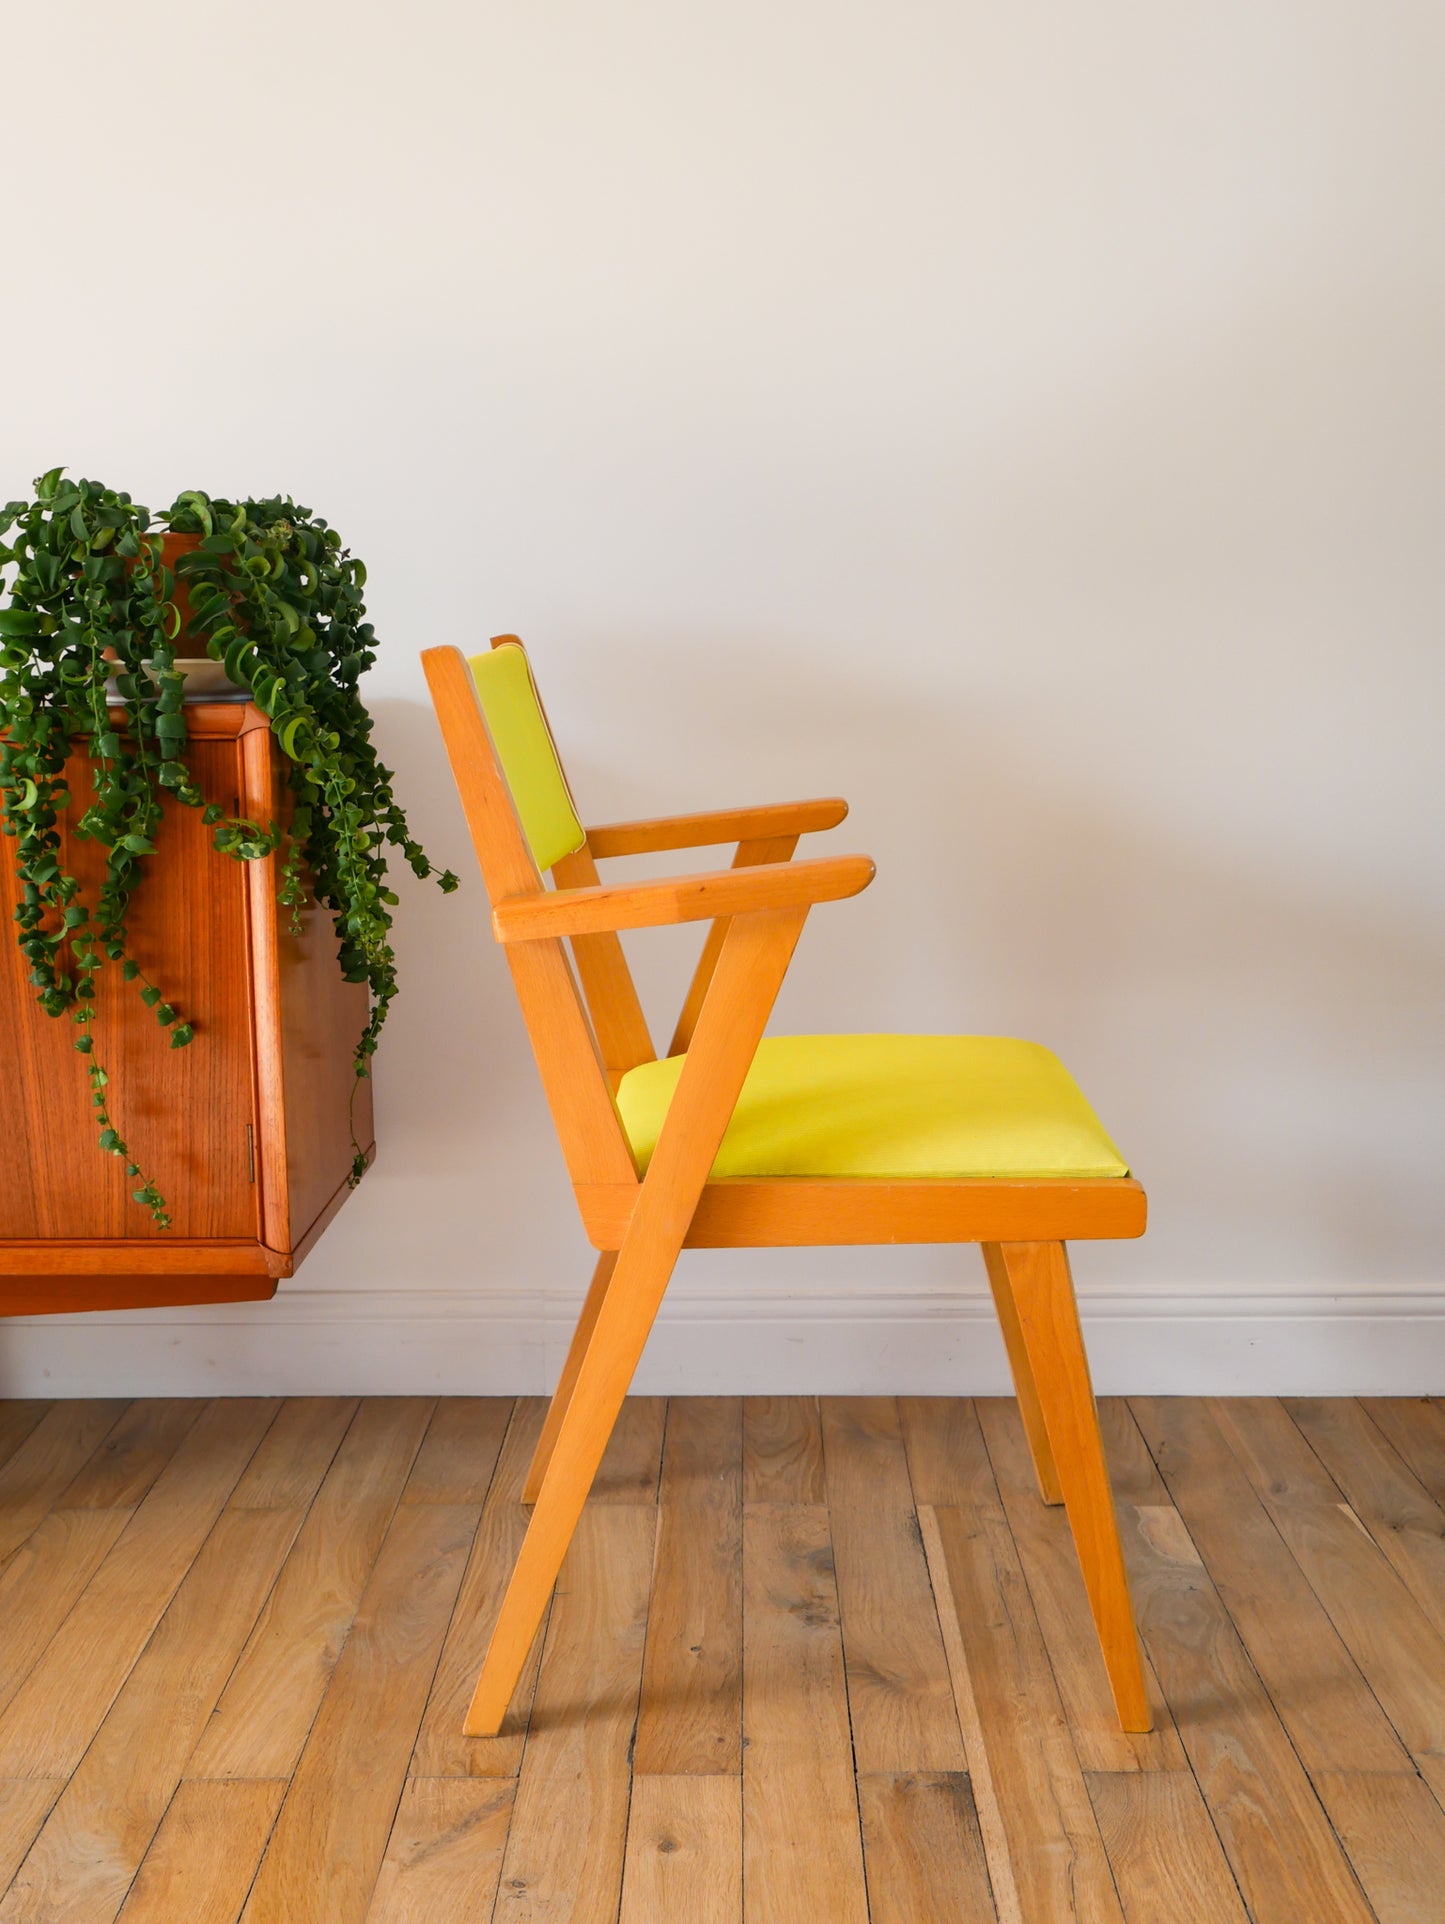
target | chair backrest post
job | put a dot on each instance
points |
(578, 1089)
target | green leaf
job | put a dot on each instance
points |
(181, 1035)
(150, 995)
(165, 1014)
(129, 970)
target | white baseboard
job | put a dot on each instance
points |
(1226, 1341)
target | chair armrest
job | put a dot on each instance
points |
(718, 825)
(679, 898)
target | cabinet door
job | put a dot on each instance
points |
(187, 1114)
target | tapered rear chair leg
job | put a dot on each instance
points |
(1048, 1321)
(566, 1383)
(1025, 1388)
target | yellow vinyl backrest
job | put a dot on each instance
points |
(527, 753)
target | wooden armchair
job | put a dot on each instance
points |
(739, 1141)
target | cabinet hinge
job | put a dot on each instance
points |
(250, 1153)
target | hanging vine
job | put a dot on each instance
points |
(274, 596)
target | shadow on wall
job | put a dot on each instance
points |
(1267, 1056)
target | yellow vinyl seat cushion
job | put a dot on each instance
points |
(899, 1106)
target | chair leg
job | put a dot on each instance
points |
(1025, 1388)
(1048, 1320)
(566, 1382)
(605, 1371)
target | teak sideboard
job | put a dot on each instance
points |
(245, 1131)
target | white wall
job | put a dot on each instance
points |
(1027, 420)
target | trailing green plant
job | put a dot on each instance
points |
(277, 599)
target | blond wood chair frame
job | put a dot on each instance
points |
(586, 1038)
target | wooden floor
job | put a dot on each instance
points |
(804, 1666)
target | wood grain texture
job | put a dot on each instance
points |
(1163, 1850)
(1394, 1832)
(183, 1112)
(47, 1461)
(17, 1420)
(899, 1700)
(41, 1582)
(1388, 1498)
(1332, 1716)
(1056, 1587)
(248, 1132)
(691, 1716)
(1055, 1854)
(268, 1705)
(1399, 1651)
(1048, 1321)
(583, 1717)
(738, 1212)
(922, 1849)
(84, 1860)
(783, 1450)
(802, 1850)
(444, 1855)
(327, 1848)
(202, 1860)
(1284, 1855)
(1415, 1426)
(441, 1748)
(25, 1803)
(49, 1722)
(679, 898)
(121, 1615)
(715, 826)
(684, 1855)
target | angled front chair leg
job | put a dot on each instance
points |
(1048, 1322)
(566, 1382)
(750, 970)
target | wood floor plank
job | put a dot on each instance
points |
(41, 1582)
(1388, 1498)
(1398, 1649)
(684, 1856)
(444, 1855)
(1394, 1833)
(459, 1452)
(1061, 1603)
(948, 1465)
(1284, 1854)
(689, 1720)
(1331, 1714)
(1055, 1854)
(1415, 1426)
(922, 1850)
(632, 1461)
(50, 1458)
(783, 1450)
(899, 1698)
(583, 1717)
(1132, 1471)
(202, 1860)
(327, 1847)
(25, 1803)
(267, 1708)
(18, 1417)
(441, 1749)
(49, 1722)
(802, 1849)
(1163, 1850)
(295, 1453)
(86, 1857)
(133, 1454)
